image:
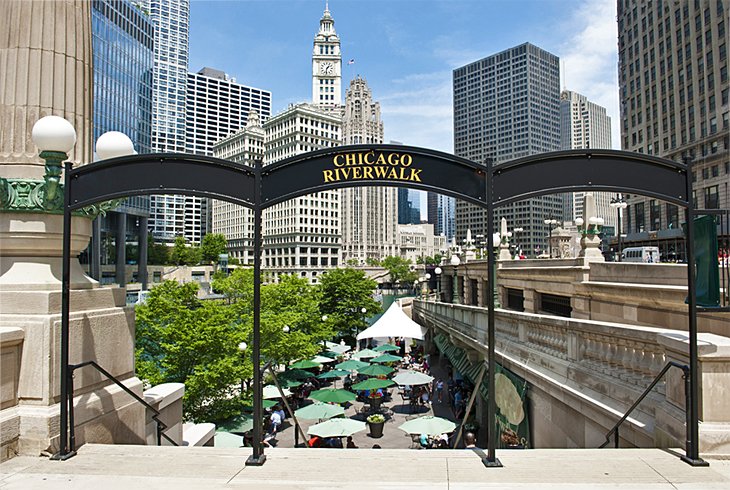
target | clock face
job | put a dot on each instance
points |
(327, 68)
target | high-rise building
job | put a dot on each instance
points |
(369, 214)
(673, 88)
(302, 236)
(122, 49)
(585, 124)
(216, 107)
(234, 221)
(441, 214)
(409, 206)
(507, 106)
(326, 64)
(171, 20)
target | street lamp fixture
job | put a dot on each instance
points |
(455, 261)
(551, 224)
(619, 205)
(438, 272)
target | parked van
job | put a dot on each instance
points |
(641, 254)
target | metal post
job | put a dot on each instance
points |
(142, 258)
(692, 450)
(456, 300)
(492, 428)
(258, 457)
(65, 452)
(618, 210)
(120, 270)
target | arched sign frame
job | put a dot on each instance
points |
(259, 187)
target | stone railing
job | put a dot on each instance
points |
(600, 366)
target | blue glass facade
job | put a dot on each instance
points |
(122, 44)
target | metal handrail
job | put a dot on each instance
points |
(670, 364)
(161, 426)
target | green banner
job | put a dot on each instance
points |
(511, 394)
(707, 281)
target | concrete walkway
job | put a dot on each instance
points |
(148, 467)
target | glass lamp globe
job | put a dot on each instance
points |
(114, 144)
(579, 221)
(242, 346)
(455, 260)
(496, 239)
(53, 133)
(437, 270)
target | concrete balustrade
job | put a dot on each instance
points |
(584, 374)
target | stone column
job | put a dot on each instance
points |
(143, 258)
(121, 246)
(45, 69)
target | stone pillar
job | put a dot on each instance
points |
(45, 69)
(95, 250)
(121, 246)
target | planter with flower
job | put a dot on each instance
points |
(376, 422)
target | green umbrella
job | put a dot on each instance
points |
(239, 425)
(289, 383)
(376, 370)
(335, 373)
(330, 395)
(412, 378)
(387, 358)
(352, 365)
(428, 425)
(226, 439)
(271, 391)
(295, 374)
(386, 348)
(305, 364)
(317, 411)
(363, 354)
(336, 428)
(265, 404)
(372, 384)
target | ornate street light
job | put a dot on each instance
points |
(551, 223)
(455, 261)
(438, 272)
(619, 205)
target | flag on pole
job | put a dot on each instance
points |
(351, 62)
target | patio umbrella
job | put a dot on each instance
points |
(387, 358)
(412, 378)
(372, 384)
(271, 391)
(322, 359)
(352, 365)
(330, 395)
(336, 428)
(428, 425)
(289, 383)
(295, 374)
(237, 425)
(317, 411)
(376, 370)
(363, 354)
(265, 404)
(305, 364)
(335, 373)
(226, 439)
(387, 348)
(340, 349)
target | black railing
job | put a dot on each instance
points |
(161, 426)
(689, 443)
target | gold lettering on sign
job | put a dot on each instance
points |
(372, 165)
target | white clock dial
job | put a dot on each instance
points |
(327, 68)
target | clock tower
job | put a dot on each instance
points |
(326, 64)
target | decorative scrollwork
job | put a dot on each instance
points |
(30, 196)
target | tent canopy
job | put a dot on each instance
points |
(393, 323)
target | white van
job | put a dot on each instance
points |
(641, 254)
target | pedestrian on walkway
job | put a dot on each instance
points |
(440, 390)
(470, 440)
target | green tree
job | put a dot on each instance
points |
(345, 292)
(184, 254)
(399, 270)
(157, 253)
(212, 246)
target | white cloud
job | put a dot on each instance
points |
(590, 58)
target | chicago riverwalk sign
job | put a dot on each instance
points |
(258, 187)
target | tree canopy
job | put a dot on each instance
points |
(213, 245)
(399, 269)
(345, 292)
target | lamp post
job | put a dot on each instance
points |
(515, 231)
(551, 223)
(438, 272)
(455, 261)
(619, 205)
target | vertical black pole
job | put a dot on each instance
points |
(692, 450)
(492, 428)
(258, 458)
(66, 398)
(618, 210)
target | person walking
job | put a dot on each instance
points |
(440, 390)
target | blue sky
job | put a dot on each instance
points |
(405, 49)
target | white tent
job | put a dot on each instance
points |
(394, 323)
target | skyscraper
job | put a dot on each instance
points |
(216, 107)
(507, 106)
(584, 124)
(673, 85)
(369, 214)
(326, 64)
(122, 48)
(409, 206)
(171, 19)
(441, 214)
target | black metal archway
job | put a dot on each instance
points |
(489, 186)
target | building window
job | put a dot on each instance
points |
(555, 305)
(639, 213)
(655, 215)
(712, 197)
(672, 216)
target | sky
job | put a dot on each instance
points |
(406, 50)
